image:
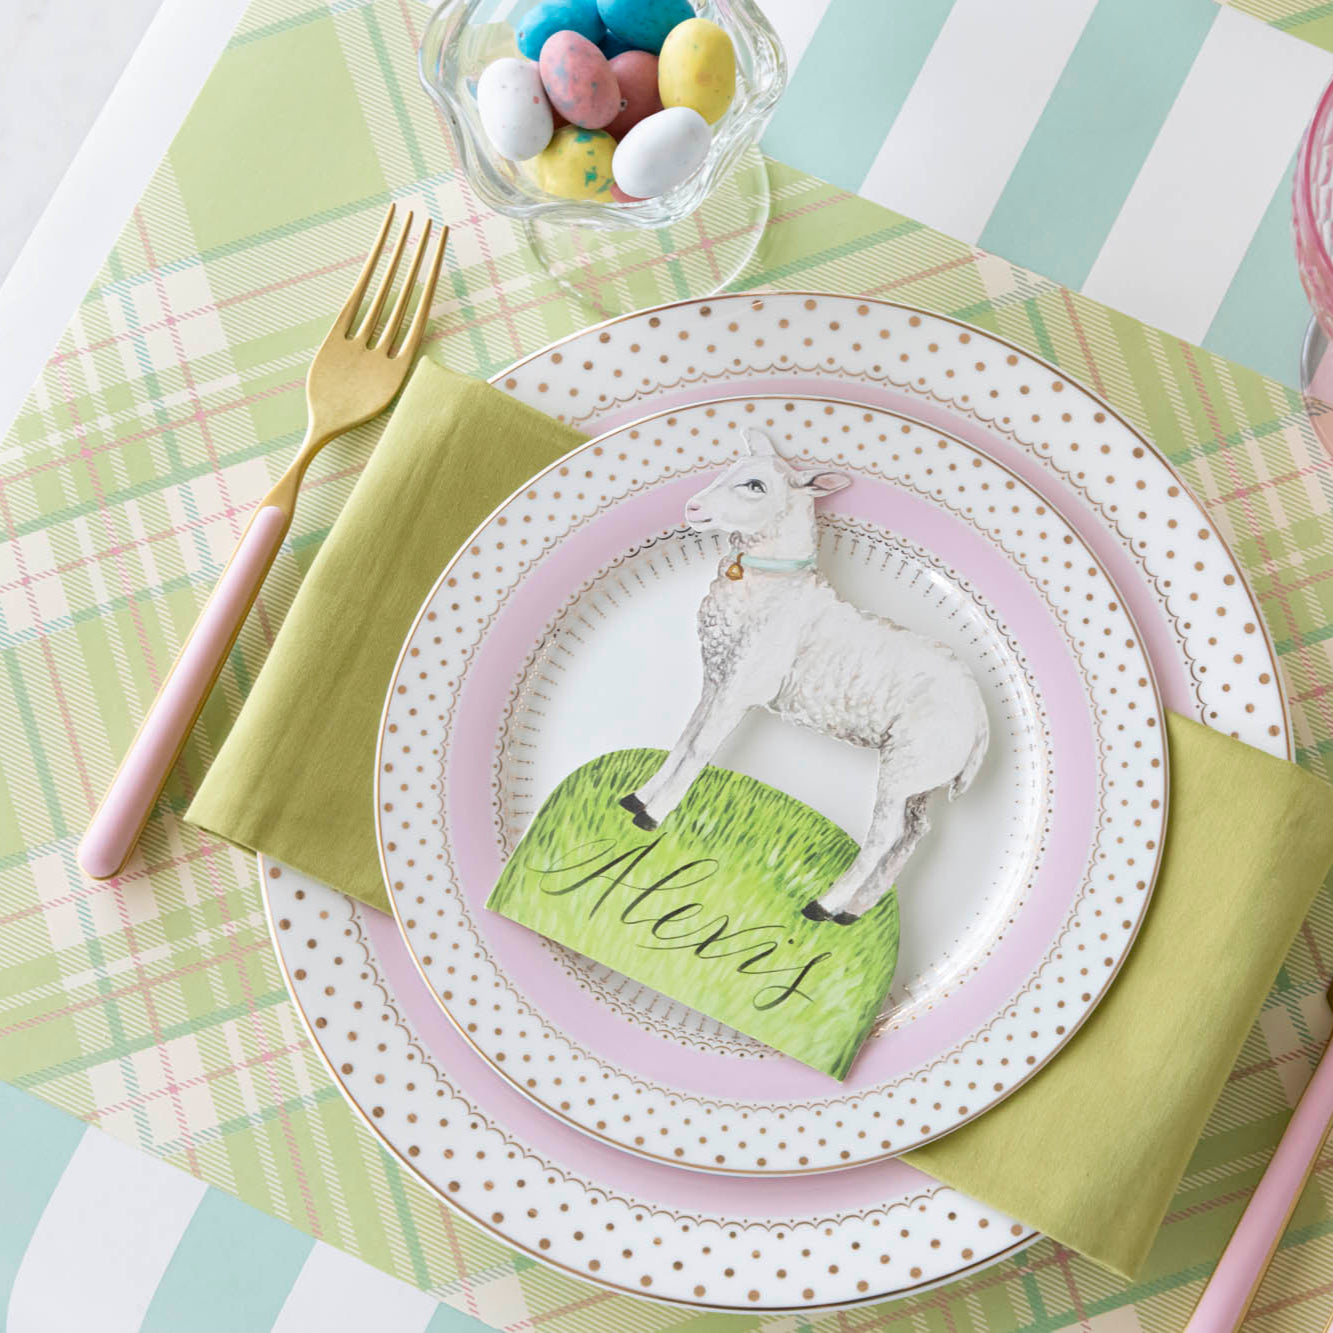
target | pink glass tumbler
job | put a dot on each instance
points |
(1312, 222)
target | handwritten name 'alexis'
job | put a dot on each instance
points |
(606, 877)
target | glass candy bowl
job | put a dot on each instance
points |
(610, 254)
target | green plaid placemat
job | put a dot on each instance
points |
(154, 1007)
(1301, 18)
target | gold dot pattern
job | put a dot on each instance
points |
(1087, 937)
(580, 1220)
(1067, 441)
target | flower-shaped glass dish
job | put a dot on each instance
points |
(459, 43)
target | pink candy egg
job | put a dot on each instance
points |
(636, 75)
(579, 80)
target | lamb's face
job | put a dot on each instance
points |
(750, 497)
(757, 492)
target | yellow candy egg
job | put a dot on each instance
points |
(697, 69)
(576, 164)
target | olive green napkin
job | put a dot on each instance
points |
(295, 777)
(1091, 1150)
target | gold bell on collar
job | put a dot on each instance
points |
(734, 571)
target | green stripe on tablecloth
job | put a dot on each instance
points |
(1312, 23)
(232, 1270)
(864, 56)
(39, 1143)
(1063, 197)
(1265, 303)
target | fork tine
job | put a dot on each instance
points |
(412, 340)
(366, 331)
(353, 302)
(405, 295)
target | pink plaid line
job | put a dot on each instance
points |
(1286, 1302)
(1234, 1196)
(1062, 1263)
(183, 362)
(1084, 346)
(593, 1298)
(225, 303)
(1321, 464)
(906, 280)
(1308, 1051)
(456, 1253)
(200, 1080)
(88, 889)
(1307, 935)
(139, 987)
(151, 432)
(1278, 584)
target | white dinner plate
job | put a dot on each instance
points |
(1212, 660)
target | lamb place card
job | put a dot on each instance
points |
(714, 888)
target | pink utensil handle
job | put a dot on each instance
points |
(1241, 1268)
(124, 811)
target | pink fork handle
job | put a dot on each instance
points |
(1241, 1268)
(124, 811)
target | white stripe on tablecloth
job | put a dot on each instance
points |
(1186, 223)
(963, 126)
(795, 22)
(335, 1293)
(104, 1240)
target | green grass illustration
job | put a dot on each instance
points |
(707, 908)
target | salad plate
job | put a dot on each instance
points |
(563, 630)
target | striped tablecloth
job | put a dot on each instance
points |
(1103, 144)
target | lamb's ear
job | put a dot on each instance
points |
(823, 483)
(758, 443)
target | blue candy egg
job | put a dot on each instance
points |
(613, 46)
(553, 16)
(643, 24)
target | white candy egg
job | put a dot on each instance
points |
(661, 151)
(513, 108)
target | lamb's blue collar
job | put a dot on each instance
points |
(768, 565)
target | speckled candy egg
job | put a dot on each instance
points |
(513, 108)
(660, 152)
(644, 24)
(636, 73)
(697, 68)
(577, 164)
(579, 81)
(552, 16)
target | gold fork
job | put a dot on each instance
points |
(353, 377)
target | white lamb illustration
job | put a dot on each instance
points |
(774, 634)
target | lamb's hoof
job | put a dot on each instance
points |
(845, 918)
(644, 820)
(632, 804)
(812, 911)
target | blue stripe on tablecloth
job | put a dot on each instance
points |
(448, 1320)
(850, 83)
(1101, 120)
(36, 1144)
(1265, 306)
(232, 1270)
